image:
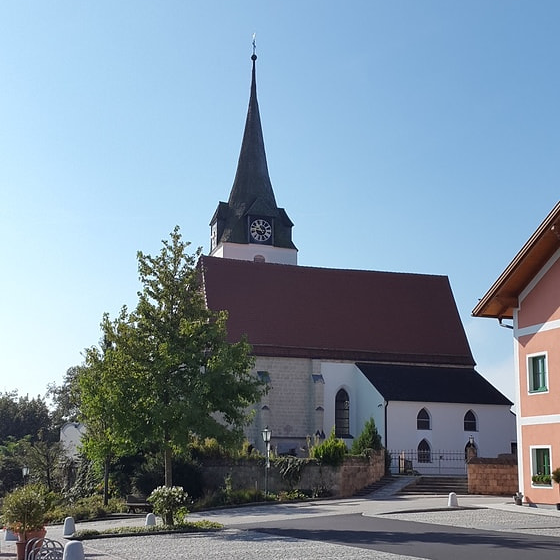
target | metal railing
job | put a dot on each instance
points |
(413, 461)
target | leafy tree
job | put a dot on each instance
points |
(45, 461)
(65, 398)
(100, 409)
(11, 463)
(368, 439)
(167, 371)
(22, 416)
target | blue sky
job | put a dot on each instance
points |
(415, 136)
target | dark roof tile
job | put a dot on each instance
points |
(432, 384)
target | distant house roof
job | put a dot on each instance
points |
(295, 311)
(502, 298)
(432, 384)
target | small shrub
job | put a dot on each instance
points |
(368, 439)
(330, 452)
(170, 502)
(293, 495)
(84, 509)
(24, 508)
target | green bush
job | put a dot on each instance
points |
(83, 509)
(24, 508)
(170, 503)
(368, 439)
(330, 452)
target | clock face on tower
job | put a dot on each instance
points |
(260, 230)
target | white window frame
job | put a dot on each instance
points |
(533, 449)
(530, 388)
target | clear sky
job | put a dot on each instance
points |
(402, 135)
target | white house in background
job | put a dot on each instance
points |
(337, 347)
(71, 434)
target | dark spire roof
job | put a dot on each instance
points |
(251, 193)
(252, 189)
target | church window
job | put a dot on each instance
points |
(470, 422)
(423, 421)
(342, 414)
(424, 452)
(263, 376)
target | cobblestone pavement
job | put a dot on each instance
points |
(491, 513)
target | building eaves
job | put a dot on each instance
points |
(502, 298)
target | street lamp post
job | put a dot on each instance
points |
(266, 433)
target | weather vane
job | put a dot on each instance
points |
(254, 43)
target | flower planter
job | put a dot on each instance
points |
(30, 535)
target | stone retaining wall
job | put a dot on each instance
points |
(494, 476)
(346, 480)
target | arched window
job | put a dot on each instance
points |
(342, 414)
(470, 422)
(424, 452)
(423, 420)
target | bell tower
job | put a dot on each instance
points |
(250, 226)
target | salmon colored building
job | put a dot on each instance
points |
(528, 292)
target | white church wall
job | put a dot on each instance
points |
(364, 398)
(248, 252)
(71, 435)
(494, 435)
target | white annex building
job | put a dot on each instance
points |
(340, 346)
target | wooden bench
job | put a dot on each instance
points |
(134, 503)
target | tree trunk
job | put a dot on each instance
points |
(168, 515)
(106, 466)
(168, 467)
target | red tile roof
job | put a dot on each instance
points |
(327, 313)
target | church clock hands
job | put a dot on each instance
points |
(261, 230)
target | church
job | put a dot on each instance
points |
(338, 347)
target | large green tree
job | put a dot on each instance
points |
(167, 371)
(22, 416)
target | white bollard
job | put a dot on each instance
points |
(150, 520)
(69, 527)
(73, 550)
(452, 500)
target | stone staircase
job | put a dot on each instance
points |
(370, 488)
(424, 485)
(388, 486)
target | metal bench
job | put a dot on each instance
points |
(134, 503)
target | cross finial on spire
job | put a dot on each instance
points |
(254, 57)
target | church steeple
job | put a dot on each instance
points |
(252, 181)
(250, 226)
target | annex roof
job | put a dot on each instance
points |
(432, 384)
(502, 298)
(324, 313)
